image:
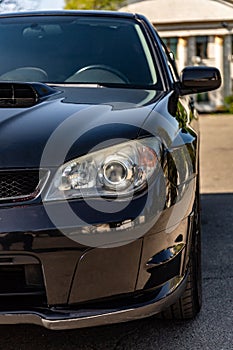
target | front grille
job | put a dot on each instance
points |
(20, 185)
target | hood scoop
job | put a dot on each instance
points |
(23, 95)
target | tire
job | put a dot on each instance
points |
(189, 304)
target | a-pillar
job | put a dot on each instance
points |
(182, 53)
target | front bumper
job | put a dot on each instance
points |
(58, 319)
(74, 274)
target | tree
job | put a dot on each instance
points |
(17, 5)
(93, 4)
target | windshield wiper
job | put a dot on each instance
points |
(108, 85)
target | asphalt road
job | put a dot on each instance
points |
(212, 329)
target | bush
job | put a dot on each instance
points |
(229, 103)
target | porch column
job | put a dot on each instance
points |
(227, 52)
(182, 50)
(191, 50)
(219, 63)
(211, 48)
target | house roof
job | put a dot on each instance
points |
(177, 11)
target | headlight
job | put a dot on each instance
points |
(113, 171)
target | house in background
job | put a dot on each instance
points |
(199, 32)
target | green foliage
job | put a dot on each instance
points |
(229, 103)
(93, 4)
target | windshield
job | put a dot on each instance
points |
(75, 49)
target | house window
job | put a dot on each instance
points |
(201, 46)
(171, 44)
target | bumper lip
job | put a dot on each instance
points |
(61, 320)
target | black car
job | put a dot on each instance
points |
(99, 198)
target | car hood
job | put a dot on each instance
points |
(70, 123)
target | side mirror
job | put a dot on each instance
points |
(199, 79)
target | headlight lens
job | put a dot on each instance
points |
(114, 171)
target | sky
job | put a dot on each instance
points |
(50, 4)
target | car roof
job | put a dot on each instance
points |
(92, 13)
